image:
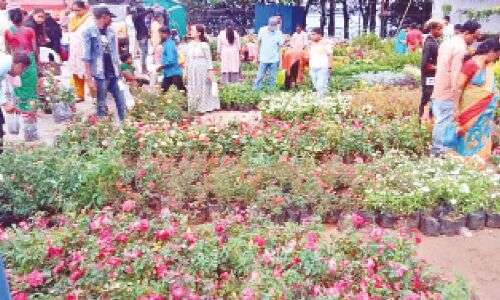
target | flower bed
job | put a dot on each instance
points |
(130, 255)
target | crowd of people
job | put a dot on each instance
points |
(457, 82)
(459, 93)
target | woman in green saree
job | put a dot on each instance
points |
(21, 39)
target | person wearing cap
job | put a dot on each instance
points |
(102, 61)
(270, 40)
(446, 96)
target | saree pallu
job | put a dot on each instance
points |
(27, 91)
(474, 123)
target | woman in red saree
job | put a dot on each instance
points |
(478, 102)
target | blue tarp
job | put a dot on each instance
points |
(177, 14)
(291, 16)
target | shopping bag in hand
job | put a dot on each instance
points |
(215, 89)
(129, 99)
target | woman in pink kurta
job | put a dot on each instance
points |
(228, 47)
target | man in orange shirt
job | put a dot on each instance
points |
(445, 96)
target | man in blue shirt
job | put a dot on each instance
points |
(172, 74)
(102, 61)
(270, 40)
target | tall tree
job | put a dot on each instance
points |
(373, 15)
(322, 21)
(331, 22)
(384, 16)
(345, 12)
(365, 13)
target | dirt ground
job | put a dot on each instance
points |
(476, 258)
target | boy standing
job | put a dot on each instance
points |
(319, 62)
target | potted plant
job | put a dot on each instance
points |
(30, 127)
(61, 104)
(493, 215)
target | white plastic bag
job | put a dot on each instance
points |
(13, 123)
(129, 99)
(215, 90)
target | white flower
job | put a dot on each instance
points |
(453, 201)
(464, 188)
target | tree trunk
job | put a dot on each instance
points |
(345, 12)
(384, 7)
(331, 22)
(322, 21)
(373, 15)
(364, 14)
(306, 11)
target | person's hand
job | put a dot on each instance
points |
(160, 68)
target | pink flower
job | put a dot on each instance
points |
(371, 266)
(193, 296)
(128, 270)
(35, 279)
(161, 270)
(92, 119)
(121, 238)
(20, 296)
(128, 206)
(412, 296)
(114, 262)
(178, 292)
(248, 294)
(220, 228)
(59, 267)
(53, 252)
(259, 241)
(133, 255)
(316, 290)
(332, 292)
(142, 226)
(311, 241)
(165, 234)
(189, 238)
(362, 296)
(141, 173)
(358, 221)
(224, 276)
(278, 272)
(153, 297)
(151, 185)
(332, 266)
(76, 275)
(376, 234)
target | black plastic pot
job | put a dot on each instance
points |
(476, 221)
(370, 218)
(429, 225)
(450, 226)
(332, 217)
(442, 210)
(294, 214)
(493, 220)
(387, 220)
(410, 221)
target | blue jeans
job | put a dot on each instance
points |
(442, 110)
(319, 78)
(271, 69)
(111, 85)
(4, 284)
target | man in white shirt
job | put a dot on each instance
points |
(449, 29)
(299, 39)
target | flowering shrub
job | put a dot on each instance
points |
(386, 78)
(288, 106)
(407, 186)
(124, 255)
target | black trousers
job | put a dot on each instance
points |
(426, 98)
(292, 77)
(173, 80)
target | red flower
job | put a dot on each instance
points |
(128, 206)
(71, 296)
(76, 275)
(278, 272)
(53, 252)
(259, 241)
(35, 279)
(224, 276)
(418, 238)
